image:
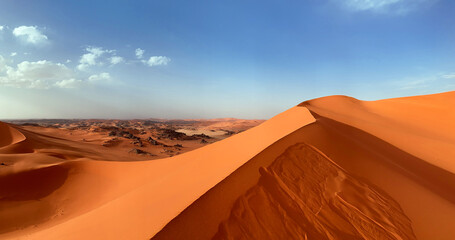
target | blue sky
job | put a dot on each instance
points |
(207, 59)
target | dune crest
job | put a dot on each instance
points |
(129, 200)
(390, 183)
(421, 125)
(9, 136)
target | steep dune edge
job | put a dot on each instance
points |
(424, 192)
(220, 208)
(134, 200)
(421, 125)
(9, 137)
(414, 141)
(413, 195)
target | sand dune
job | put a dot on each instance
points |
(413, 142)
(124, 200)
(345, 132)
(329, 168)
(9, 137)
(318, 199)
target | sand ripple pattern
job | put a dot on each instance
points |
(314, 198)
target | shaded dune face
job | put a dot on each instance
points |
(32, 184)
(23, 188)
(9, 136)
(304, 195)
(19, 194)
(300, 179)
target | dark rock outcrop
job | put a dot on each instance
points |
(203, 136)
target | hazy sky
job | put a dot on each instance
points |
(206, 59)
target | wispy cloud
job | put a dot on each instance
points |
(361, 5)
(139, 53)
(100, 77)
(116, 60)
(91, 57)
(448, 76)
(157, 61)
(153, 60)
(69, 83)
(442, 81)
(412, 83)
(384, 6)
(30, 34)
(97, 56)
(1, 27)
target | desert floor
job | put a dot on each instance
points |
(329, 168)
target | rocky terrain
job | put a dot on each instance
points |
(151, 138)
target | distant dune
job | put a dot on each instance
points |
(330, 168)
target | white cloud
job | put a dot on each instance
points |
(116, 60)
(157, 61)
(13, 54)
(44, 75)
(39, 74)
(139, 53)
(384, 6)
(100, 77)
(152, 61)
(90, 58)
(1, 28)
(30, 34)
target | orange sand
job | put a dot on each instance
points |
(118, 200)
(330, 168)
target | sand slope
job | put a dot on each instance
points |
(315, 199)
(421, 125)
(404, 145)
(363, 170)
(330, 168)
(118, 200)
(10, 136)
